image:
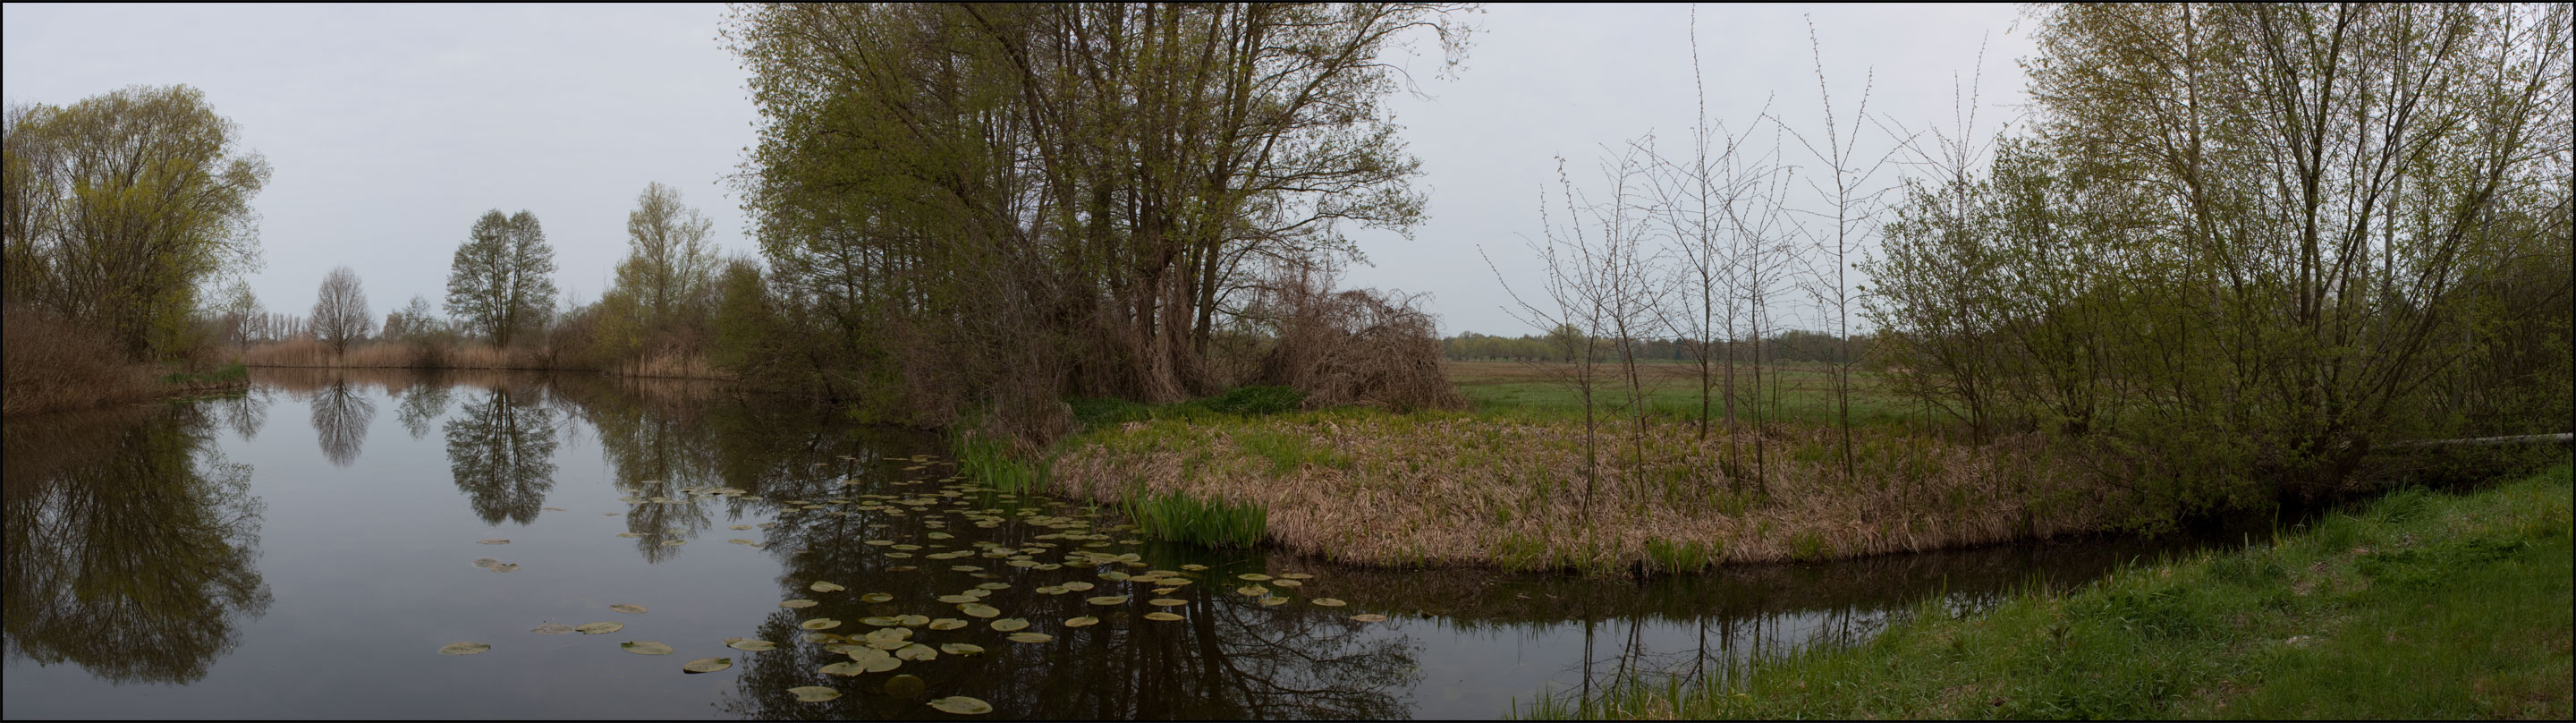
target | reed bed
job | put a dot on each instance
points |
(1446, 488)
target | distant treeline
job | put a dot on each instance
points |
(1788, 346)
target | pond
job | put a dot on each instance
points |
(313, 548)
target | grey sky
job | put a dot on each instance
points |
(392, 127)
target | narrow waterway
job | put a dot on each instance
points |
(310, 548)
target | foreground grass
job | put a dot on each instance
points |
(2423, 606)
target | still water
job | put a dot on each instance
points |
(306, 549)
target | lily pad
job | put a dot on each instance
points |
(913, 621)
(875, 661)
(798, 603)
(1194, 567)
(1252, 591)
(628, 534)
(1010, 624)
(979, 610)
(627, 608)
(644, 647)
(876, 597)
(599, 628)
(1166, 602)
(814, 693)
(962, 705)
(819, 624)
(1161, 616)
(845, 668)
(1108, 600)
(464, 648)
(751, 644)
(1082, 621)
(961, 648)
(1253, 576)
(1327, 602)
(1030, 637)
(1297, 576)
(1076, 586)
(916, 651)
(1369, 618)
(674, 543)
(1053, 590)
(506, 567)
(905, 686)
(882, 621)
(486, 562)
(821, 586)
(993, 585)
(1273, 600)
(958, 599)
(1285, 582)
(552, 629)
(947, 624)
(707, 665)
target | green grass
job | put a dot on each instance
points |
(2424, 605)
(1672, 391)
(990, 461)
(1182, 518)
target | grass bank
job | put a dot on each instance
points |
(2421, 606)
(1515, 490)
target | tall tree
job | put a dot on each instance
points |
(1065, 193)
(667, 258)
(116, 210)
(341, 315)
(502, 281)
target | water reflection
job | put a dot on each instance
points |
(130, 544)
(501, 449)
(130, 538)
(340, 418)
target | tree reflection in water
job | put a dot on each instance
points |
(501, 449)
(423, 402)
(244, 413)
(341, 414)
(130, 543)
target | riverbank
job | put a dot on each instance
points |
(2422, 605)
(1515, 490)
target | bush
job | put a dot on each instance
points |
(1258, 400)
(51, 365)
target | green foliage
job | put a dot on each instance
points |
(1681, 557)
(1181, 518)
(1098, 413)
(1257, 400)
(2246, 315)
(122, 206)
(502, 280)
(990, 461)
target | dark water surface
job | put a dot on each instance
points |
(306, 549)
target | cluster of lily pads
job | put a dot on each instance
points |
(893, 642)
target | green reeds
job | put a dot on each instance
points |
(990, 461)
(1182, 518)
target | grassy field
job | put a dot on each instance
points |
(2422, 606)
(1803, 392)
(1530, 490)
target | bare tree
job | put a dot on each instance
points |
(341, 316)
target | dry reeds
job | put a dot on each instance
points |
(1357, 346)
(52, 365)
(1453, 489)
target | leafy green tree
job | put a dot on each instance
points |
(502, 281)
(121, 207)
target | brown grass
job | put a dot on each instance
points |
(47, 365)
(306, 352)
(1441, 489)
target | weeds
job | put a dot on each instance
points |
(1182, 518)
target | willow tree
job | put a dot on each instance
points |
(1081, 184)
(120, 208)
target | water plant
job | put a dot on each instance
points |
(1183, 518)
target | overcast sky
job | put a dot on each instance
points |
(391, 128)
